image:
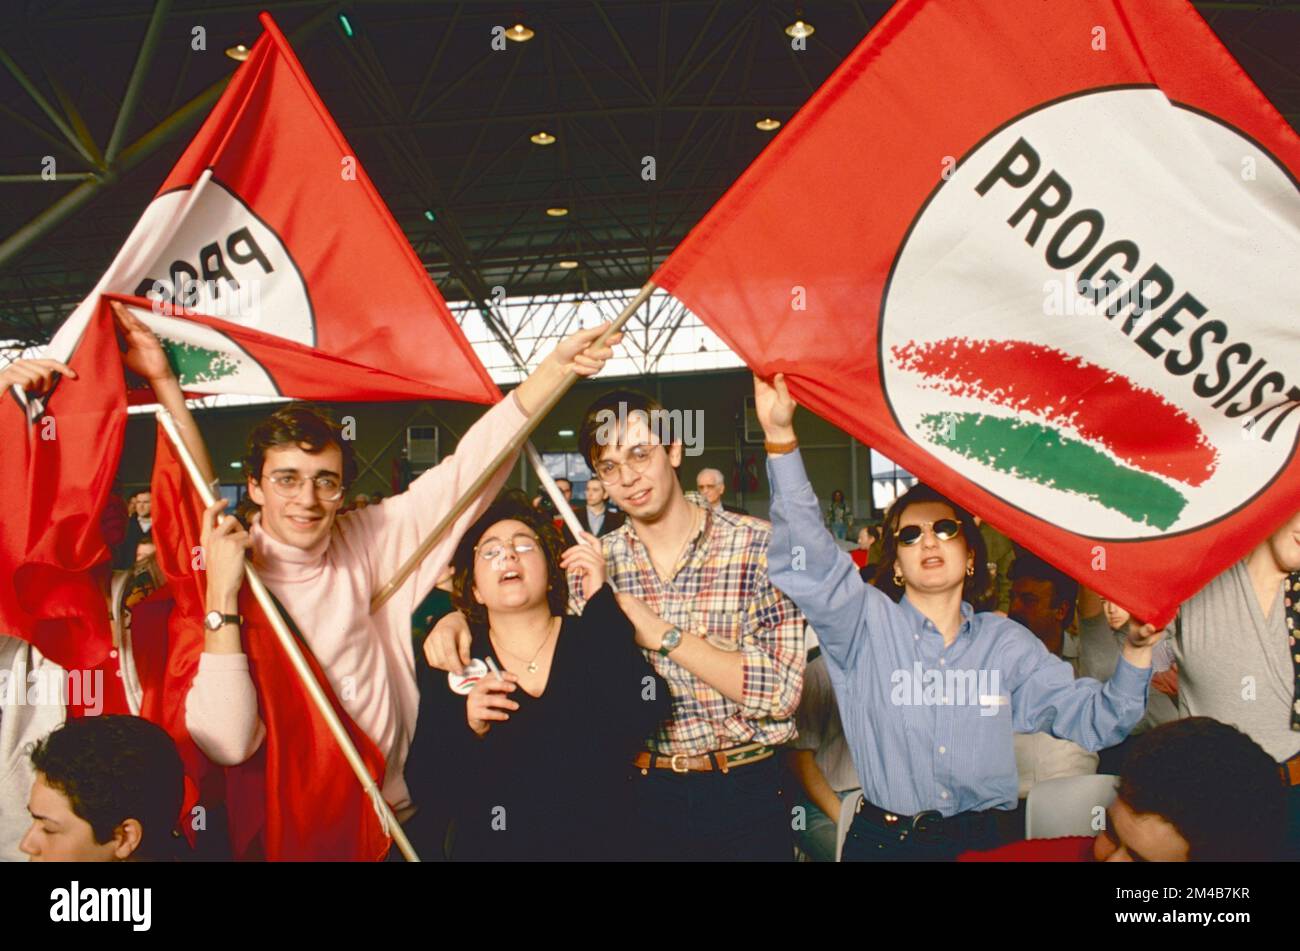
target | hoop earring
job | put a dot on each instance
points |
(970, 570)
(898, 577)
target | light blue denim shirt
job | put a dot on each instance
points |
(929, 726)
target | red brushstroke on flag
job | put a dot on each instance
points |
(1136, 424)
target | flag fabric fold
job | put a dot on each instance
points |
(59, 459)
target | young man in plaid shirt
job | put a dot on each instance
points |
(731, 647)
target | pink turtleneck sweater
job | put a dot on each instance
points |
(368, 659)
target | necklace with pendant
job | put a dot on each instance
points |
(532, 663)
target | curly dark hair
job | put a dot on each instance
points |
(977, 589)
(305, 426)
(511, 504)
(114, 768)
(1214, 784)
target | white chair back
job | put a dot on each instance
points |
(1068, 806)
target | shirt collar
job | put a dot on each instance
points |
(968, 617)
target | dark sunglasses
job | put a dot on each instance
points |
(945, 529)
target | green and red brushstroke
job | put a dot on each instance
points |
(1078, 427)
(1135, 424)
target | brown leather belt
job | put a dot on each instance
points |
(721, 760)
(1291, 771)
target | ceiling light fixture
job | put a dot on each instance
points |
(800, 29)
(239, 52)
(568, 265)
(519, 33)
(767, 125)
(542, 138)
(557, 212)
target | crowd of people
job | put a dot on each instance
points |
(679, 679)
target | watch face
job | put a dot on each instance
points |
(212, 620)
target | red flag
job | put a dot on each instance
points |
(296, 799)
(1034, 256)
(59, 459)
(269, 222)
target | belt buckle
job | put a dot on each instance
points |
(673, 762)
(923, 827)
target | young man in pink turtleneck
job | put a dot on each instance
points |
(324, 566)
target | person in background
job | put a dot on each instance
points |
(838, 515)
(1001, 556)
(22, 724)
(867, 536)
(712, 487)
(1043, 600)
(820, 760)
(107, 789)
(137, 545)
(596, 517)
(1193, 790)
(932, 743)
(1234, 643)
(1101, 632)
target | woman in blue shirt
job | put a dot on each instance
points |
(930, 692)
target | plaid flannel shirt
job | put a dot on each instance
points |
(719, 591)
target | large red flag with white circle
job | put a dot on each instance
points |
(1037, 255)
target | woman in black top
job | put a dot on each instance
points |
(535, 764)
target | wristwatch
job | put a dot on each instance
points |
(215, 620)
(671, 639)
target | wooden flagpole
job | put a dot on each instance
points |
(507, 454)
(290, 644)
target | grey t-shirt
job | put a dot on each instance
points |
(820, 730)
(1234, 663)
(1099, 652)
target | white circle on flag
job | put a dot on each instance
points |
(223, 261)
(994, 362)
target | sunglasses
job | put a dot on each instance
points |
(945, 529)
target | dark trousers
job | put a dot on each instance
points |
(868, 842)
(1293, 824)
(738, 816)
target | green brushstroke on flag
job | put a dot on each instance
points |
(1033, 451)
(194, 364)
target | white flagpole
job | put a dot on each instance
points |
(548, 482)
(387, 820)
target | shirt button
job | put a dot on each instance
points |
(942, 662)
(943, 749)
(943, 795)
(112, 653)
(118, 672)
(916, 637)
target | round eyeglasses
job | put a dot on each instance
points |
(287, 485)
(638, 460)
(520, 544)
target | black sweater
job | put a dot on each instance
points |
(553, 781)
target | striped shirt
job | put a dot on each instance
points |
(930, 725)
(720, 591)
